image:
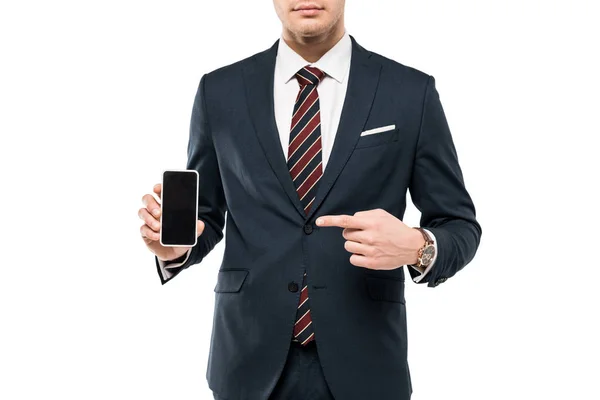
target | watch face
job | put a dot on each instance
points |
(427, 255)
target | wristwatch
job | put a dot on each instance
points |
(426, 253)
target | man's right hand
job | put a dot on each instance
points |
(150, 230)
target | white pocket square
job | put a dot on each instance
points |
(378, 130)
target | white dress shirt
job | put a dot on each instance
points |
(332, 92)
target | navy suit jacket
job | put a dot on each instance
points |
(359, 315)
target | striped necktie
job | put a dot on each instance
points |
(306, 168)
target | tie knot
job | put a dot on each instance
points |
(309, 76)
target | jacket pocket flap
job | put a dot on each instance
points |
(385, 289)
(230, 280)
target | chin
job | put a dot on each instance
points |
(309, 28)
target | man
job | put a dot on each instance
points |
(311, 146)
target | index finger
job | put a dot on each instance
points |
(343, 221)
(157, 189)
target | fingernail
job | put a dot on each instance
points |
(319, 221)
(156, 225)
(156, 211)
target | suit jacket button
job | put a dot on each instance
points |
(308, 229)
(293, 287)
(440, 280)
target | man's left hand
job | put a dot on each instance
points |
(377, 239)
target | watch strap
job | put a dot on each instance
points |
(425, 236)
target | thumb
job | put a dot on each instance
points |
(199, 227)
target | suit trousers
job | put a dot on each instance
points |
(302, 377)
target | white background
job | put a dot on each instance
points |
(95, 101)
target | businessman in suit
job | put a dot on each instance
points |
(310, 147)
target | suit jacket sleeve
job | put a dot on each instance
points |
(438, 192)
(211, 199)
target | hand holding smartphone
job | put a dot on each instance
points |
(179, 208)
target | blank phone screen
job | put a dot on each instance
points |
(179, 208)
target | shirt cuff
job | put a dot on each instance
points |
(166, 265)
(423, 271)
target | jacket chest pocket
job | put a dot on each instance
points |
(377, 139)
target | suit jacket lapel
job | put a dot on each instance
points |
(362, 85)
(259, 77)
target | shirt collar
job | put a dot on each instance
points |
(334, 63)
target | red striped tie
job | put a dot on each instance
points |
(304, 163)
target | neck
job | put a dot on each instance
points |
(312, 48)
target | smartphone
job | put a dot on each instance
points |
(179, 208)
